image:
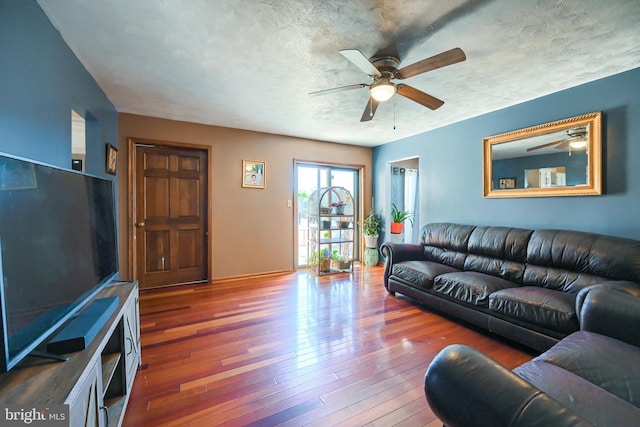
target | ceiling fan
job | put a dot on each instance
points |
(576, 139)
(383, 69)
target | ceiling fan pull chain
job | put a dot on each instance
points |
(394, 114)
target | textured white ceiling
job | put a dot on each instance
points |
(250, 64)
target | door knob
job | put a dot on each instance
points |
(140, 224)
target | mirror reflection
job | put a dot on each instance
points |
(555, 159)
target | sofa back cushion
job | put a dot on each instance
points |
(498, 251)
(446, 243)
(571, 260)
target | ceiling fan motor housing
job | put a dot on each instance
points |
(579, 132)
(386, 65)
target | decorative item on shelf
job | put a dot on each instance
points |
(339, 262)
(325, 224)
(324, 210)
(398, 217)
(343, 224)
(370, 229)
(321, 259)
(338, 207)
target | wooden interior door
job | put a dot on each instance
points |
(170, 215)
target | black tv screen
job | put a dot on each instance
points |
(58, 249)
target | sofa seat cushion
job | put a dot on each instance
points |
(420, 273)
(594, 404)
(547, 308)
(601, 360)
(470, 287)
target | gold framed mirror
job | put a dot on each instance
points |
(561, 158)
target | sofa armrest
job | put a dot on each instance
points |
(612, 313)
(625, 286)
(464, 387)
(398, 252)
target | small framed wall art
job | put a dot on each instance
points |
(506, 183)
(112, 159)
(254, 174)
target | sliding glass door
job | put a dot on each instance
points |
(310, 177)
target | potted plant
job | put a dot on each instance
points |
(338, 207)
(398, 217)
(321, 259)
(339, 262)
(370, 229)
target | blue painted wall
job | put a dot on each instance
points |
(451, 164)
(41, 81)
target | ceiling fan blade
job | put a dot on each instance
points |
(548, 144)
(562, 146)
(360, 61)
(419, 96)
(368, 113)
(337, 89)
(438, 61)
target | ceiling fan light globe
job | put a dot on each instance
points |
(578, 144)
(383, 91)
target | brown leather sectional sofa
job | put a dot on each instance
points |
(525, 285)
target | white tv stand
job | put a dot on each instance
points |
(95, 382)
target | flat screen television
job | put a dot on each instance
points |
(58, 249)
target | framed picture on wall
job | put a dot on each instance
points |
(254, 174)
(112, 159)
(16, 175)
(506, 183)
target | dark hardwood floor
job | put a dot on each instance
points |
(292, 350)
